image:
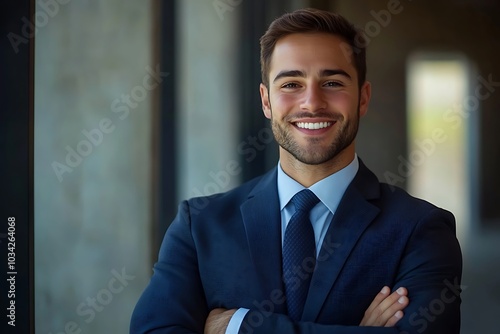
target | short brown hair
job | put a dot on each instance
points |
(311, 20)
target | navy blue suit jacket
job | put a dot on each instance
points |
(225, 251)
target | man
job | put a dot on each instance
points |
(314, 245)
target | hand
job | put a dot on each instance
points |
(217, 321)
(386, 310)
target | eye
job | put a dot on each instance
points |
(334, 84)
(290, 85)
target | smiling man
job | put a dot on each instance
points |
(316, 244)
(314, 102)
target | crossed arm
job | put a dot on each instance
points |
(385, 311)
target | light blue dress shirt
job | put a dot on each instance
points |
(329, 191)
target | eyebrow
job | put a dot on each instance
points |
(301, 74)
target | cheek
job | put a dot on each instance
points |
(280, 106)
(284, 102)
(343, 102)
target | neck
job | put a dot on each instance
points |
(306, 174)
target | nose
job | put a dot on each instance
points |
(313, 99)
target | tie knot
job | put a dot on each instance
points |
(304, 200)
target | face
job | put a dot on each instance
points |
(313, 100)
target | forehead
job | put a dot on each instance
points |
(309, 52)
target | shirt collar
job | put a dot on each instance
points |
(329, 190)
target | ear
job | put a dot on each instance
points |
(264, 96)
(364, 98)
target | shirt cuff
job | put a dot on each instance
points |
(236, 320)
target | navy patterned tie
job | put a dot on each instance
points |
(299, 253)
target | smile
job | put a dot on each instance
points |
(313, 126)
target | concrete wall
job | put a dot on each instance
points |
(92, 212)
(207, 97)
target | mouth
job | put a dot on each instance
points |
(313, 125)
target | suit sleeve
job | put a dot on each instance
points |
(431, 270)
(174, 301)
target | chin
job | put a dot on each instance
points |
(320, 156)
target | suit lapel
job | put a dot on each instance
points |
(262, 220)
(352, 217)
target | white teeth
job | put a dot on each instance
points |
(313, 126)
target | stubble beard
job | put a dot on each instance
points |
(315, 153)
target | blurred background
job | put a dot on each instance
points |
(140, 104)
